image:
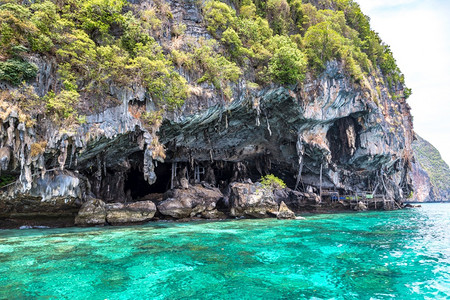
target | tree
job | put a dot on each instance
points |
(288, 65)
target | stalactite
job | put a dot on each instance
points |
(63, 156)
(320, 179)
(258, 110)
(300, 152)
(10, 133)
(268, 126)
(149, 167)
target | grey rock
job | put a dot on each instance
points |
(92, 212)
(252, 200)
(196, 200)
(285, 213)
(5, 156)
(136, 212)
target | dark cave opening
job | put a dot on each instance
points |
(138, 187)
(344, 139)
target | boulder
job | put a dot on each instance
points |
(252, 200)
(360, 206)
(284, 212)
(92, 212)
(184, 183)
(136, 212)
(213, 214)
(297, 201)
(196, 200)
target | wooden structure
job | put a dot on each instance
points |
(370, 200)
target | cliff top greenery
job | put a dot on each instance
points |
(97, 43)
(431, 161)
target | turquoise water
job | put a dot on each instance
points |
(374, 255)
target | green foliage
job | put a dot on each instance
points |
(324, 44)
(234, 44)
(6, 179)
(17, 70)
(98, 43)
(62, 105)
(278, 14)
(407, 92)
(165, 85)
(152, 118)
(288, 65)
(219, 17)
(272, 182)
(133, 34)
(97, 16)
(213, 67)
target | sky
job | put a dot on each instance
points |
(418, 32)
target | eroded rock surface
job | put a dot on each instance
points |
(284, 212)
(137, 212)
(252, 200)
(297, 201)
(92, 212)
(196, 200)
(355, 137)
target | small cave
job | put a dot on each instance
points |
(137, 187)
(343, 137)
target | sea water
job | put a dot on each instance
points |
(371, 255)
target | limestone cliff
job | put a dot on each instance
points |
(329, 130)
(430, 173)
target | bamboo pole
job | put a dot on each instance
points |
(320, 188)
(174, 174)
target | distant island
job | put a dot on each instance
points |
(431, 173)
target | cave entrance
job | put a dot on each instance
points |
(343, 137)
(138, 187)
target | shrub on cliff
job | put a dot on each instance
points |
(272, 182)
(288, 65)
(99, 43)
(17, 70)
(219, 16)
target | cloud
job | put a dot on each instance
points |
(419, 35)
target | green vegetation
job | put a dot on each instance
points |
(288, 65)
(332, 30)
(431, 161)
(6, 179)
(272, 182)
(203, 57)
(99, 43)
(96, 43)
(17, 70)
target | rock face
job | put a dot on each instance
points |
(196, 200)
(53, 197)
(93, 212)
(96, 212)
(430, 173)
(137, 212)
(328, 123)
(251, 200)
(350, 137)
(297, 201)
(284, 212)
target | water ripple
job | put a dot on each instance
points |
(374, 255)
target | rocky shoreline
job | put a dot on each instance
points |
(186, 202)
